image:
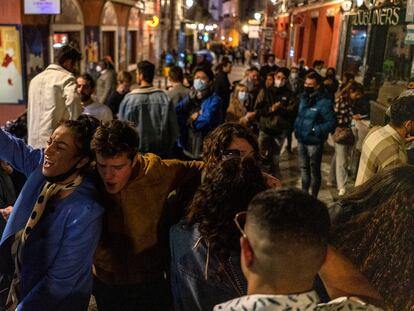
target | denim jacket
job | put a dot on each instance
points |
(196, 282)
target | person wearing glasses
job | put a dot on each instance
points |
(284, 242)
(205, 261)
(233, 140)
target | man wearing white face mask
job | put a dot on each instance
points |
(198, 113)
(276, 111)
(106, 83)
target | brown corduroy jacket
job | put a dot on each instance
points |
(132, 248)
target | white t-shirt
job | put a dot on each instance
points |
(99, 111)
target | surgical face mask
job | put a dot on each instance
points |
(294, 75)
(243, 96)
(98, 68)
(280, 83)
(199, 85)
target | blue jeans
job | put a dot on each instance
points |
(310, 158)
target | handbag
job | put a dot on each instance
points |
(344, 136)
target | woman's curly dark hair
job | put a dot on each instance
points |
(220, 139)
(226, 190)
(377, 234)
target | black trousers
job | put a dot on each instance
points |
(147, 296)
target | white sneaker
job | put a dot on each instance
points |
(341, 192)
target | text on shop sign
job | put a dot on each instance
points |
(379, 16)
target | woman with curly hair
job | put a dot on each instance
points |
(205, 260)
(232, 140)
(373, 228)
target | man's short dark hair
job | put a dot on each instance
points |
(176, 74)
(402, 109)
(209, 73)
(115, 137)
(291, 215)
(147, 69)
(67, 52)
(87, 77)
(314, 76)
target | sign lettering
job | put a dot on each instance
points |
(379, 16)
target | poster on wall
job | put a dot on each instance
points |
(11, 86)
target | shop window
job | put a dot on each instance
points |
(132, 46)
(356, 48)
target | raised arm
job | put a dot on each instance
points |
(21, 156)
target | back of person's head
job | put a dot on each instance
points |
(375, 232)
(220, 139)
(176, 74)
(124, 77)
(114, 138)
(402, 110)
(287, 230)
(83, 130)
(316, 63)
(226, 190)
(348, 76)
(88, 78)
(147, 70)
(224, 63)
(67, 52)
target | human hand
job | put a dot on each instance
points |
(195, 115)
(409, 139)
(5, 212)
(250, 115)
(276, 106)
(356, 117)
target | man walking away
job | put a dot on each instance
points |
(53, 96)
(151, 112)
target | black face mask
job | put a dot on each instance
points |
(62, 177)
(309, 90)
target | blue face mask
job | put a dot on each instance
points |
(199, 85)
(243, 96)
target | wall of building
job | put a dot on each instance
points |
(281, 37)
(317, 33)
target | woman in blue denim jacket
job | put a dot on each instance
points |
(205, 251)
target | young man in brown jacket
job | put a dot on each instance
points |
(129, 263)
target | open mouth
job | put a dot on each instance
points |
(47, 163)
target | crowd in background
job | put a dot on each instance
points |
(176, 197)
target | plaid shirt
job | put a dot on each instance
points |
(343, 110)
(382, 147)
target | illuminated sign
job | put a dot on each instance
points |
(42, 7)
(154, 22)
(383, 16)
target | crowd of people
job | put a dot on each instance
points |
(174, 200)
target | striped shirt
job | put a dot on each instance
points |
(382, 147)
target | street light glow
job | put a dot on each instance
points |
(189, 3)
(200, 26)
(245, 28)
(257, 16)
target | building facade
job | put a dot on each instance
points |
(126, 31)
